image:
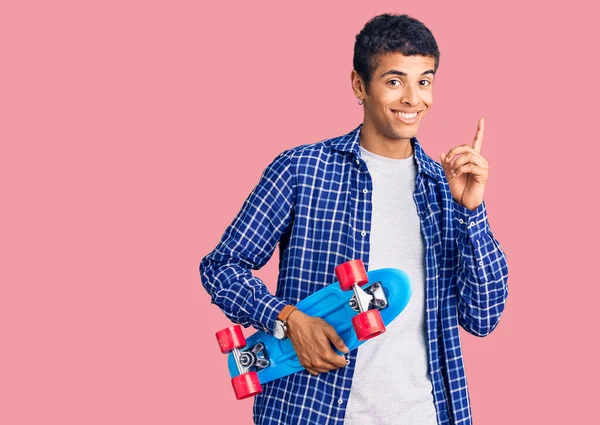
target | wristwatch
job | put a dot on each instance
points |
(281, 321)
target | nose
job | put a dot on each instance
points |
(409, 96)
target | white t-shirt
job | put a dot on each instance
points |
(391, 383)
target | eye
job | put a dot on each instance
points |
(396, 85)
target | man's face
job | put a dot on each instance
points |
(399, 84)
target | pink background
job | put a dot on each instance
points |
(132, 132)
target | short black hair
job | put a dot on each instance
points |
(391, 33)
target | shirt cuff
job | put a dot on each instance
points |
(267, 311)
(473, 224)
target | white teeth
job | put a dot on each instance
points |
(407, 116)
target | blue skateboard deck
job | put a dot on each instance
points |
(333, 305)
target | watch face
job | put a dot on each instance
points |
(279, 331)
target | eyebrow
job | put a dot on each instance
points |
(396, 72)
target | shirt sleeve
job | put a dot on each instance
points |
(482, 271)
(247, 244)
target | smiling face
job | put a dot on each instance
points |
(400, 84)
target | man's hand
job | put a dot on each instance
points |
(467, 172)
(310, 337)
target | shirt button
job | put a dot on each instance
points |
(357, 161)
(481, 263)
(340, 401)
(363, 233)
(365, 190)
(347, 361)
(460, 220)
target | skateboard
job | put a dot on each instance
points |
(358, 305)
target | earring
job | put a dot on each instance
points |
(360, 101)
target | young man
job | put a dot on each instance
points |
(372, 194)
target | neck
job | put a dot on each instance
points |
(381, 145)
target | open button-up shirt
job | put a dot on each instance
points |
(314, 200)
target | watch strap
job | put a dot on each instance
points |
(285, 313)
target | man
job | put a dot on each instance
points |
(371, 194)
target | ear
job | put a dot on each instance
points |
(357, 84)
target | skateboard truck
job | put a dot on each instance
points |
(373, 297)
(246, 384)
(367, 323)
(256, 357)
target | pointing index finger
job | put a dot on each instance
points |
(478, 136)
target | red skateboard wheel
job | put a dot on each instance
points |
(230, 338)
(350, 273)
(246, 385)
(368, 324)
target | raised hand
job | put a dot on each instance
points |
(467, 171)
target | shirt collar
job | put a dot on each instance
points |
(350, 142)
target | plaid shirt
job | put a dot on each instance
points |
(315, 201)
